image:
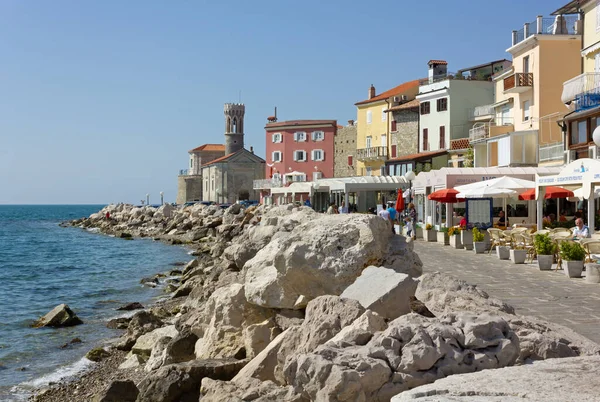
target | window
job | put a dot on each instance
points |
(191, 163)
(383, 140)
(369, 140)
(526, 110)
(526, 64)
(394, 151)
(317, 176)
(368, 171)
(579, 132)
(318, 135)
(597, 15)
(300, 156)
(369, 116)
(442, 137)
(442, 104)
(277, 137)
(383, 114)
(276, 156)
(350, 160)
(299, 136)
(425, 139)
(597, 63)
(382, 171)
(318, 155)
(395, 124)
(425, 108)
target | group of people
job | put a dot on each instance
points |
(391, 214)
(334, 209)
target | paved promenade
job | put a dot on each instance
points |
(549, 295)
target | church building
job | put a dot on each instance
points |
(222, 173)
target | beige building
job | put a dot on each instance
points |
(520, 128)
(344, 148)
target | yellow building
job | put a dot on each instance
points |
(373, 127)
(581, 92)
(520, 128)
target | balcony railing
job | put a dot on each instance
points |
(480, 133)
(587, 100)
(518, 82)
(373, 153)
(552, 152)
(264, 184)
(559, 25)
(581, 84)
(481, 111)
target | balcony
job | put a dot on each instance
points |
(265, 184)
(372, 154)
(518, 82)
(552, 152)
(516, 149)
(482, 112)
(581, 84)
(560, 25)
(454, 76)
(488, 130)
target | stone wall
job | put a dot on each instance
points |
(189, 188)
(344, 146)
(407, 137)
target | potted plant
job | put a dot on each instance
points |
(478, 241)
(545, 249)
(503, 252)
(429, 233)
(466, 238)
(442, 236)
(592, 272)
(454, 235)
(518, 255)
(419, 231)
(572, 256)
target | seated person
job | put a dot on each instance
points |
(581, 231)
(502, 220)
(463, 222)
(562, 217)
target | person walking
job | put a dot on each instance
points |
(412, 214)
(393, 217)
(385, 214)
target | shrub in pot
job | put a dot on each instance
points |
(545, 249)
(518, 255)
(466, 238)
(442, 236)
(429, 233)
(503, 252)
(454, 235)
(572, 256)
(478, 241)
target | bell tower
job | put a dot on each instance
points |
(234, 127)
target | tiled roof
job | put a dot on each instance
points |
(422, 155)
(408, 105)
(442, 62)
(392, 92)
(302, 123)
(221, 159)
(209, 147)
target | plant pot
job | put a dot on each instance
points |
(518, 256)
(545, 262)
(503, 252)
(455, 242)
(419, 233)
(592, 273)
(430, 235)
(442, 238)
(466, 238)
(573, 269)
(479, 247)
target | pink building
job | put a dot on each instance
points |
(300, 150)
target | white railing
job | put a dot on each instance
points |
(479, 133)
(580, 84)
(481, 111)
(266, 184)
(552, 152)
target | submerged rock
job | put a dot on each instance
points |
(59, 316)
(97, 354)
(130, 306)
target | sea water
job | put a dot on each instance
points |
(43, 265)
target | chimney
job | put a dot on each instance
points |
(251, 149)
(350, 122)
(438, 69)
(371, 92)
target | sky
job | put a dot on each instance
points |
(101, 100)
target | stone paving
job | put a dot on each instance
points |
(549, 295)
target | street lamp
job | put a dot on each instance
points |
(161, 198)
(147, 199)
(596, 136)
(410, 176)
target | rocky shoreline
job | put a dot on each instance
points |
(285, 304)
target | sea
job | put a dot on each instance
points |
(43, 265)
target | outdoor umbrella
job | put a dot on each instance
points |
(504, 182)
(551, 192)
(578, 194)
(447, 196)
(400, 202)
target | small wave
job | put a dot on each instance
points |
(60, 374)
(93, 230)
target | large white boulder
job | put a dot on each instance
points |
(318, 258)
(144, 344)
(552, 380)
(383, 290)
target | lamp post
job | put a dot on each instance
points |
(147, 199)
(410, 176)
(162, 198)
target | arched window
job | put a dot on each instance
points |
(228, 127)
(234, 126)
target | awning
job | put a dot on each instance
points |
(294, 188)
(418, 157)
(502, 102)
(591, 49)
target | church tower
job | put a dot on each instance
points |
(234, 127)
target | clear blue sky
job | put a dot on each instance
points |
(101, 100)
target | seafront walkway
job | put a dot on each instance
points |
(549, 295)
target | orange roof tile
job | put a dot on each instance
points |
(442, 62)
(221, 159)
(408, 105)
(392, 92)
(209, 147)
(302, 123)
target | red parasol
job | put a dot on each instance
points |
(447, 195)
(551, 192)
(400, 202)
